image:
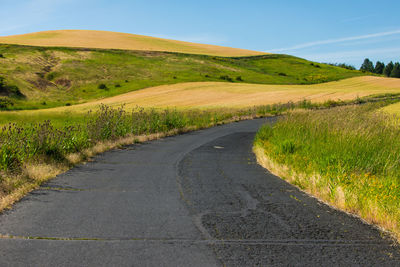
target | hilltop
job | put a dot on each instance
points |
(117, 40)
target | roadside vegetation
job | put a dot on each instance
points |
(39, 148)
(33, 152)
(50, 77)
(347, 156)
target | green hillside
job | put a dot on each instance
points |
(38, 77)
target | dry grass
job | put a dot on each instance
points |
(116, 40)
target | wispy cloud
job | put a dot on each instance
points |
(333, 41)
(357, 18)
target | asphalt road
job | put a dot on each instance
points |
(197, 199)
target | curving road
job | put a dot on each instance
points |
(197, 199)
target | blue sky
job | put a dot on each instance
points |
(324, 30)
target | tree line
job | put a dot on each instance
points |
(389, 70)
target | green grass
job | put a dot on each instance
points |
(50, 77)
(348, 156)
(58, 119)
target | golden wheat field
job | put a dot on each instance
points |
(116, 40)
(212, 95)
(220, 94)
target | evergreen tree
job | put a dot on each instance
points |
(396, 71)
(388, 69)
(379, 66)
(367, 65)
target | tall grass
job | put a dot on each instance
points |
(348, 156)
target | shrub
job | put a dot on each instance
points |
(102, 86)
(50, 76)
(239, 78)
(13, 91)
(226, 78)
(117, 85)
(1, 56)
(282, 74)
(9, 90)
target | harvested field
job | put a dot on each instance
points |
(116, 40)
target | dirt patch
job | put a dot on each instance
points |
(64, 82)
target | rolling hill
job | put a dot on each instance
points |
(116, 40)
(54, 76)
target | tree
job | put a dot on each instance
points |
(388, 69)
(379, 66)
(367, 65)
(396, 71)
